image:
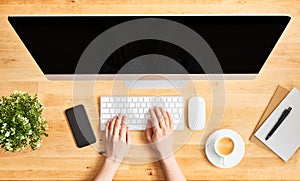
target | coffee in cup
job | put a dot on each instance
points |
(224, 146)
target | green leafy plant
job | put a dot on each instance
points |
(21, 123)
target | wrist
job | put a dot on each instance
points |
(111, 163)
(171, 168)
(168, 160)
(108, 169)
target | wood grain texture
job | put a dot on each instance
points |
(59, 159)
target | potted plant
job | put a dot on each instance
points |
(21, 122)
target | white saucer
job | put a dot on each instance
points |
(236, 155)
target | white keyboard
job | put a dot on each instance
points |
(137, 109)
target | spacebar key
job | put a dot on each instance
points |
(137, 127)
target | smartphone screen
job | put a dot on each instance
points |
(80, 125)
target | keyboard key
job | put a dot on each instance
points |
(160, 104)
(175, 121)
(176, 116)
(104, 121)
(180, 110)
(105, 99)
(103, 126)
(105, 111)
(146, 99)
(141, 111)
(169, 99)
(180, 99)
(108, 116)
(129, 110)
(178, 105)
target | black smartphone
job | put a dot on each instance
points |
(80, 125)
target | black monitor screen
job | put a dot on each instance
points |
(241, 44)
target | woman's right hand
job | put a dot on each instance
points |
(159, 132)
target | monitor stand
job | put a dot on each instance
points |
(155, 84)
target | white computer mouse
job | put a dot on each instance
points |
(196, 113)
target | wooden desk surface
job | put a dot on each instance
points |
(59, 159)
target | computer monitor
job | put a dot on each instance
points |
(240, 43)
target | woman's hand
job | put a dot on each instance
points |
(117, 138)
(117, 145)
(159, 132)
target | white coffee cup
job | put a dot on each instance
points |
(224, 146)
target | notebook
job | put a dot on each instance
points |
(285, 140)
(278, 96)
